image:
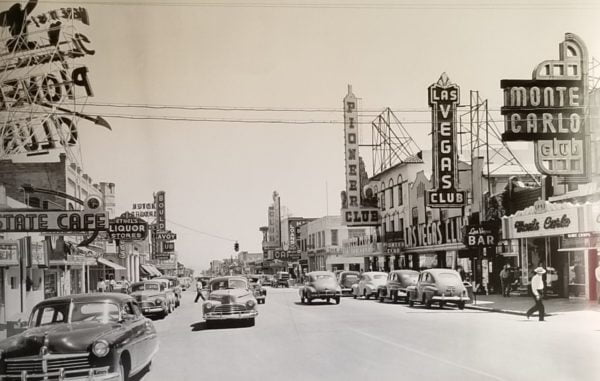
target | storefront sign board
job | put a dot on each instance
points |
(52, 221)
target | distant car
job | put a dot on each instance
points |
(320, 285)
(396, 284)
(229, 298)
(346, 279)
(281, 279)
(175, 286)
(440, 286)
(185, 283)
(267, 280)
(368, 284)
(260, 293)
(169, 292)
(151, 296)
(81, 337)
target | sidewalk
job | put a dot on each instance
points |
(518, 305)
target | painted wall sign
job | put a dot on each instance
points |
(552, 111)
(435, 233)
(444, 96)
(354, 210)
(52, 221)
(484, 234)
(127, 227)
(9, 253)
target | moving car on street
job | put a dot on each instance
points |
(346, 279)
(81, 337)
(153, 297)
(260, 293)
(268, 280)
(395, 287)
(368, 284)
(320, 285)
(229, 298)
(281, 279)
(440, 286)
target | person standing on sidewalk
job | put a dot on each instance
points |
(537, 288)
(505, 280)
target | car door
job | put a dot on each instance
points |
(145, 335)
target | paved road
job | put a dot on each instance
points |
(366, 340)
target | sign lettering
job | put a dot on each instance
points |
(52, 221)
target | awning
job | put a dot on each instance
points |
(150, 270)
(108, 263)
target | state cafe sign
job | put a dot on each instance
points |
(23, 221)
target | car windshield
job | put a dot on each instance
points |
(380, 276)
(228, 284)
(321, 277)
(350, 277)
(103, 312)
(144, 286)
(410, 276)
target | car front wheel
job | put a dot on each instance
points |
(123, 370)
(411, 303)
(461, 305)
(367, 296)
(381, 297)
(337, 300)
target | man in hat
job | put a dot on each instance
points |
(537, 288)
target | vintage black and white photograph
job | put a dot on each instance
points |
(299, 190)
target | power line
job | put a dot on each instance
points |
(201, 232)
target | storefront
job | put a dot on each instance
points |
(541, 230)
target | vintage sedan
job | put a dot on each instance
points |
(267, 279)
(229, 298)
(153, 297)
(320, 285)
(396, 284)
(81, 337)
(346, 279)
(174, 286)
(368, 284)
(260, 293)
(438, 286)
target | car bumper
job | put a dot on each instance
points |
(67, 376)
(347, 291)
(450, 298)
(152, 310)
(325, 294)
(228, 316)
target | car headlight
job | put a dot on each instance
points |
(158, 301)
(100, 348)
(208, 306)
(250, 303)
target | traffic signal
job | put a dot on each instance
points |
(236, 247)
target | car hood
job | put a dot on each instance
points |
(62, 338)
(322, 284)
(229, 296)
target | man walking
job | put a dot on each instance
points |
(505, 280)
(199, 291)
(537, 288)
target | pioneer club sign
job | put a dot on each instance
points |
(443, 99)
(353, 212)
(551, 110)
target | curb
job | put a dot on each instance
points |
(502, 311)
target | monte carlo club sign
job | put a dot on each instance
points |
(552, 110)
(444, 96)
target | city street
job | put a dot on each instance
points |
(365, 340)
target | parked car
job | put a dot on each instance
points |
(281, 279)
(175, 286)
(396, 284)
(229, 298)
(153, 297)
(368, 284)
(440, 286)
(320, 285)
(268, 280)
(260, 293)
(346, 279)
(85, 337)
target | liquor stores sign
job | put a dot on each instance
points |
(128, 228)
(443, 99)
(551, 111)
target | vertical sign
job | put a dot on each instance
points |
(444, 96)
(552, 110)
(161, 218)
(353, 212)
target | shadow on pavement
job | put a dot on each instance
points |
(320, 303)
(220, 324)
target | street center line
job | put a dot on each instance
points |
(426, 354)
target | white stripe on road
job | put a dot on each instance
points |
(426, 355)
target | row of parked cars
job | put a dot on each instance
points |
(439, 286)
(157, 297)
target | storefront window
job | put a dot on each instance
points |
(576, 273)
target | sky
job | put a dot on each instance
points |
(219, 176)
